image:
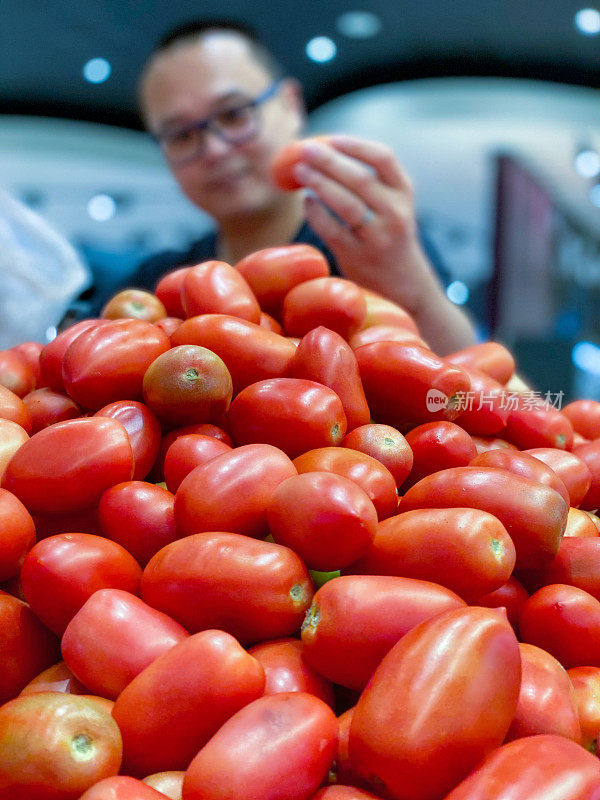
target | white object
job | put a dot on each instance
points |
(40, 275)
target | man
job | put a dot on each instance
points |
(221, 109)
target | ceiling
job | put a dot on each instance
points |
(44, 45)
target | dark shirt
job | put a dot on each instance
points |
(151, 271)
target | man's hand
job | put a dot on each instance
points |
(362, 208)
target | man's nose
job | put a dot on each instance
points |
(215, 146)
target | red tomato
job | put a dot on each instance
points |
(134, 304)
(565, 621)
(326, 518)
(52, 354)
(292, 414)
(113, 637)
(381, 311)
(250, 352)
(188, 452)
(26, 646)
(215, 287)
(483, 443)
(143, 429)
(15, 373)
(344, 774)
(467, 550)
(203, 429)
(336, 303)
(253, 590)
(108, 362)
(340, 792)
(46, 406)
(436, 446)
(586, 684)
(534, 515)
(139, 516)
(121, 787)
(272, 272)
(577, 563)
(524, 465)
(286, 670)
(538, 425)
(297, 730)
(385, 333)
(232, 491)
(168, 291)
(31, 352)
(483, 408)
(355, 620)
(15, 409)
(590, 454)
(490, 357)
(584, 416)
(17, 534)
(269, 323)
(169, 324)
(534, 768)
(371, 475)
(441, 699)
(580, 523)
(385, 444)
(406, 384)
(186, 385)
(570, 469)
(282, 166)
(547, 701)
(54, 746)
(511, 597)
(12, 436)
(190, 691)
(67, 466)
(323, 356)
(57, 678)
(60, 573)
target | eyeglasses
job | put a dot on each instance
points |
(237, 124)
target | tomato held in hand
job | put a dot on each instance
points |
(190, 691)
(292, 414)
(282, 166)
(441, 700)
(67, 466)
(53, 746)
(297, 730)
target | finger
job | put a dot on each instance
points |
(327, 227)
(377, 155)
(359, 178)
(344, 203)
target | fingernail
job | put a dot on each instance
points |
(313, 149)
(301, 172)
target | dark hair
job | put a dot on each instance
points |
(195, 29)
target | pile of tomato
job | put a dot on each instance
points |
(258, 541)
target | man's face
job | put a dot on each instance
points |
(192, 80)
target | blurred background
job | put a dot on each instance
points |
(493, 109)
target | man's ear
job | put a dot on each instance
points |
(293, 97)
